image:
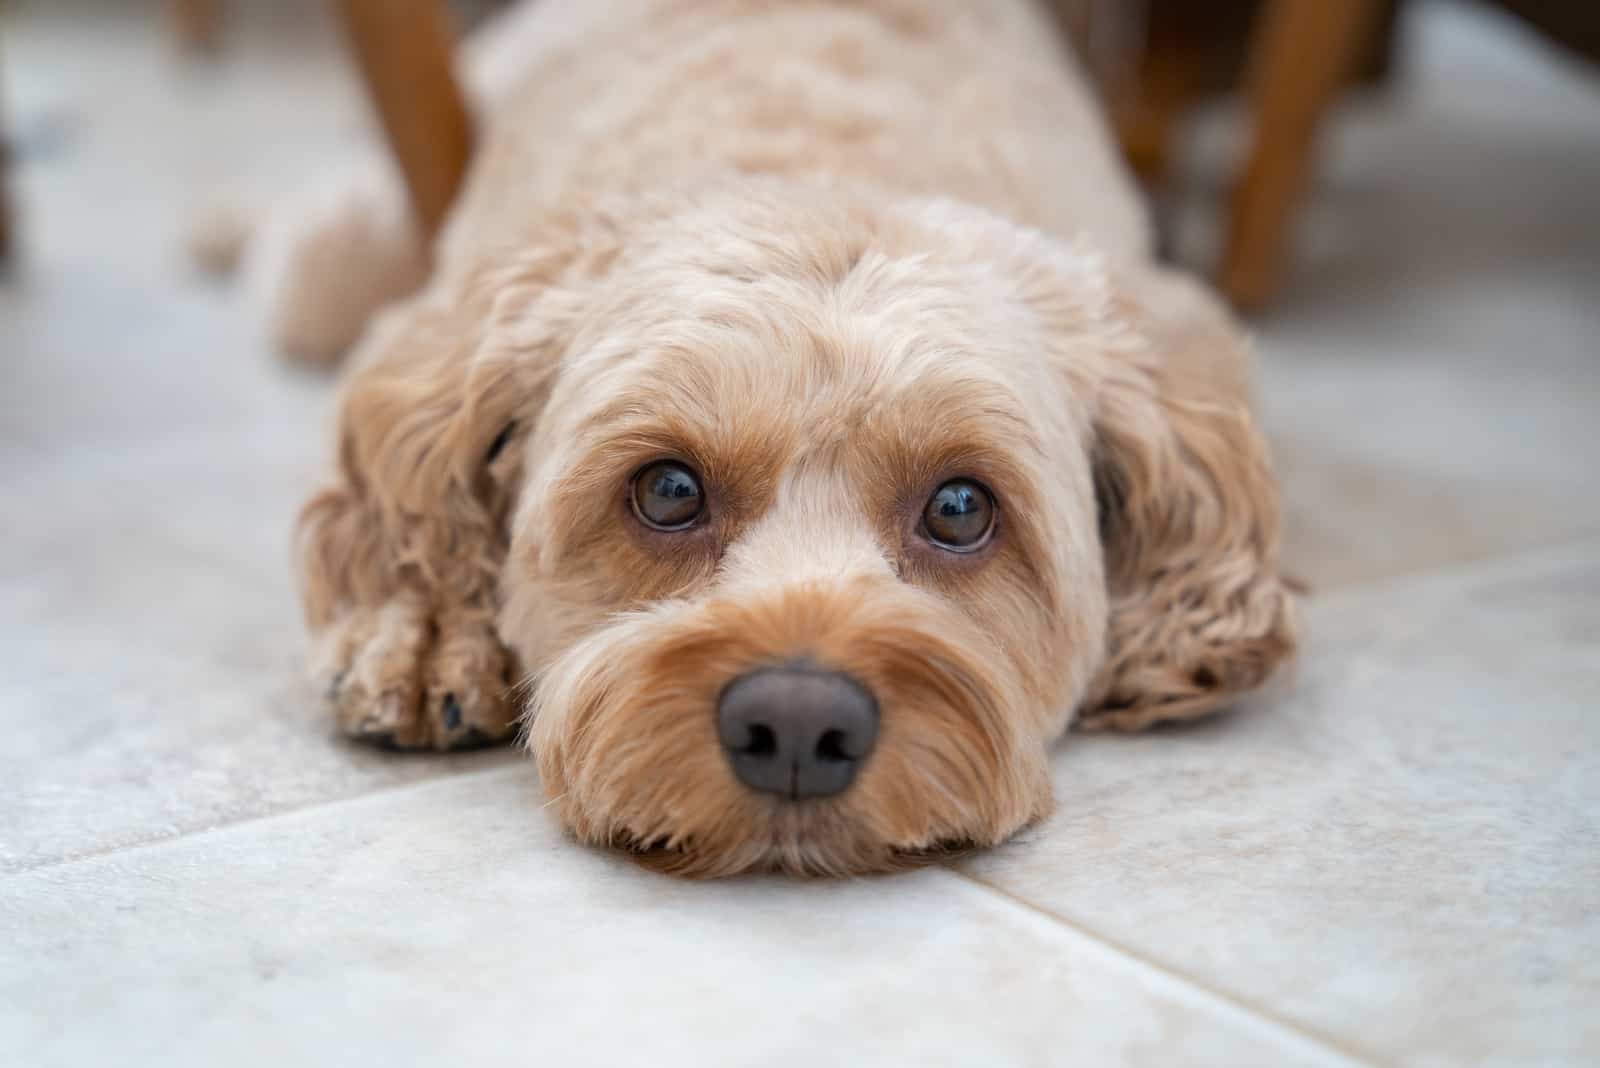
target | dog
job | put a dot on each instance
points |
(793, 434)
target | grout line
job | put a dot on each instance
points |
(137, 844)
(1325, 1043)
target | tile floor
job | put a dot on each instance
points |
(1393, 859)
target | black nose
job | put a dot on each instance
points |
(797, 732)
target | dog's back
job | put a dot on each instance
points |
(972, 99)
(581, 102)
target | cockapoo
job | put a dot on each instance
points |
(793, 434)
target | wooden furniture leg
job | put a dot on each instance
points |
(405, 48)
(1303, 53)
(1145, 125)
(194, 23)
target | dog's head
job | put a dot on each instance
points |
(825, 518)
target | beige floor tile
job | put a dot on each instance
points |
(154, 676)
(152, 451)
(1402, 853)
(451, 923)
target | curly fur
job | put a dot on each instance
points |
(831, 255)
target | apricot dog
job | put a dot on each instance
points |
(794, 434)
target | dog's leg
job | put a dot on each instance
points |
(332, 258)
(401, 557)
(406, 648)
(320, 264)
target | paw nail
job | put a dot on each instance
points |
(451, 712)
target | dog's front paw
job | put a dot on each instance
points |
(403, 677)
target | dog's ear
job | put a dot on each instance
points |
(439, 393)
(1156, 372)
(1188, 513)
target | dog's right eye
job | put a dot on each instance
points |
(667, 496)
(959, 517)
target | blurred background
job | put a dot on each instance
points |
(1401, 197)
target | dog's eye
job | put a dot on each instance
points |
(667, 496)
(959, 516)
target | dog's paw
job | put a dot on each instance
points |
(400, 677)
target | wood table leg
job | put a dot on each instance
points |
(405, 50)
(1303, 54)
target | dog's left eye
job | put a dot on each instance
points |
(959, 516)
(667, 496)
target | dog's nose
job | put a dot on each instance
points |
(797, 732)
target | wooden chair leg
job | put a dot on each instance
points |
(1303, 53)
(195, 24)
(1145, 125)
(405, 48)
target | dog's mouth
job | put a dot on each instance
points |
(633, 846)
(942, 851)
(656, 854)
(667, 857)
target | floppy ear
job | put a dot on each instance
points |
(440, 390)
(1188, 515)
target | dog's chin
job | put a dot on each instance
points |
(795, 856)
(715, 828)
(624, 733)
(685, 863)
(699, 822)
